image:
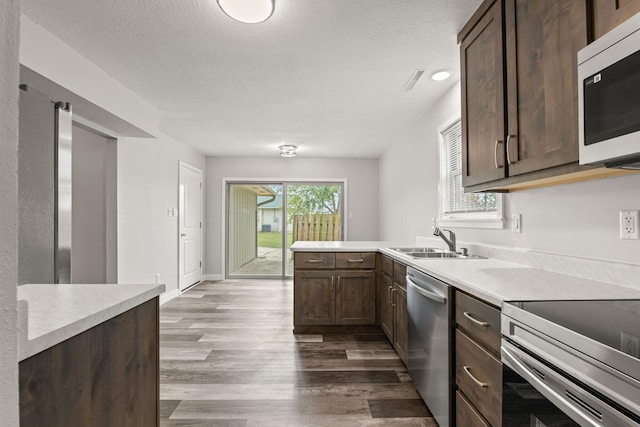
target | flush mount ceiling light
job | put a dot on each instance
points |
(288, 150)
(440, 75)
(248, 11)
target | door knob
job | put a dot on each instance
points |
(183, 235)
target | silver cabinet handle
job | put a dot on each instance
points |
(474, 320)
(509, 161)
(339, 282)
(495, 153)
(467, 369)
(355, 260)
(393, 303)
(315, 261)
(390, 293)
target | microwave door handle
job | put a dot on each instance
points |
(577, 412)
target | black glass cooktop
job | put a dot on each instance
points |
(614, 323)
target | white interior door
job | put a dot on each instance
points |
(190, 226)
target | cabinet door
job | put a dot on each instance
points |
(355, 297)
(479, 378)
(542, 41)
(401, 319)
(608, 14)
(386, 306)
(314, 298)
(482, 89)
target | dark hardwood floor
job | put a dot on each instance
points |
(228, 357)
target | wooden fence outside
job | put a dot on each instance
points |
(318, 227)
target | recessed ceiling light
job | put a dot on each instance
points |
(248, 11)
(288, 150)
(440, 75)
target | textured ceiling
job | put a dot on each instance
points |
(326, 75)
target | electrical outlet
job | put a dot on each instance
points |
(169, 212)
(630, 344)
(516, 223)
(175, 211)
(158, 279)
(629, 225)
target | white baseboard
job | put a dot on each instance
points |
(168, 296)
(212, 277)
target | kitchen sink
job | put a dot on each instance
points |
(418, 250)
(433, 253)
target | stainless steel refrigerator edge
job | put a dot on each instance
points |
(429, 308)
(44, 187)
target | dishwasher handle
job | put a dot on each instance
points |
(426, 293)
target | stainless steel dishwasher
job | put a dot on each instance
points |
(429, 342)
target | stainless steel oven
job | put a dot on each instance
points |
(569, 363)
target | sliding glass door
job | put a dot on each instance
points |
(265, 218)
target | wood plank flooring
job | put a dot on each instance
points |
(228, 357)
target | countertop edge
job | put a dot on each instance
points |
(30, 347)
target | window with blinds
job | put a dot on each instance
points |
(454, 200)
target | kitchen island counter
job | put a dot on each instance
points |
(51, 314)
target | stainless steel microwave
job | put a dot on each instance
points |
(609, 98)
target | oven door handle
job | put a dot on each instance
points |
(582, 413)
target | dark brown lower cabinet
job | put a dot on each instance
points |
(356, 297)
(401, 327)
(334, 297)
(466, 414)
(105, 376)
(386, 306)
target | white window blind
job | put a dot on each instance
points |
(455, 201)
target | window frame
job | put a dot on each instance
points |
(488, 220)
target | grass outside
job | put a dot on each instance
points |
(272, 240)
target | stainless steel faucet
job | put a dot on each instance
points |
(451, 241)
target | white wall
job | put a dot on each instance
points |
(94, 180)
(362, 192)
(147, 187)
(147, 180)
(577, 219)
(9, 70)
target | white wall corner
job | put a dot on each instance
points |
(168, 296)
(212, 277)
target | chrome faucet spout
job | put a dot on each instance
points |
(451, 241)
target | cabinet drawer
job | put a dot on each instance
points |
(399, 273)
(479, 377)
(353, 260)
(315, 260)
(466, 414)
(480, 320)
(387, 266)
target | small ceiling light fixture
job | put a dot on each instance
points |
(415, 76)
(248, 11)
(440, 75)
(288, 150)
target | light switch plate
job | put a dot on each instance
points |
(516, 223)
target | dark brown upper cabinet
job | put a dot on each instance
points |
(611, 13)
(519, 90)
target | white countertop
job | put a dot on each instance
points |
(364, 246)
(50, 314)
(493, 280)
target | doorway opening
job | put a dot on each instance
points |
(263, 220)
